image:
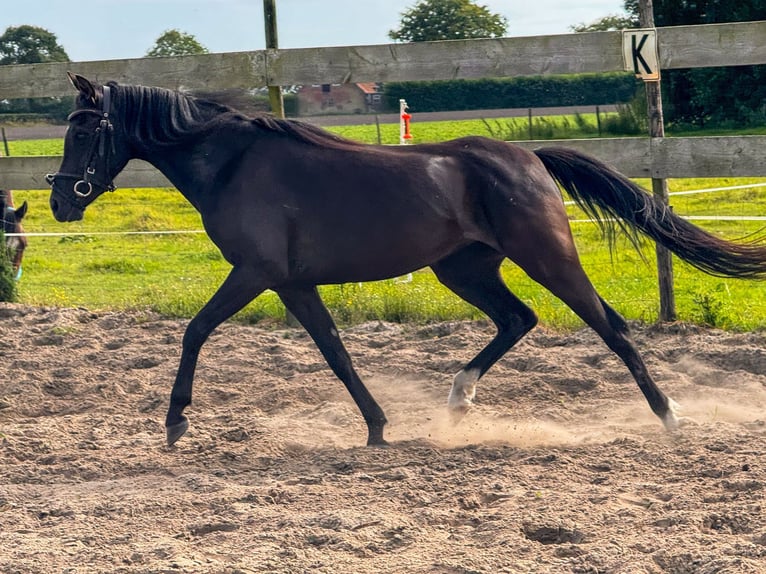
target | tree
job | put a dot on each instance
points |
(703, 95)
(448, 20)
(7, 281)
(176, 43)
(611, 22)
(614, 21)
(706, 96)
(30, 45)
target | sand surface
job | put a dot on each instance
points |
(559, 468)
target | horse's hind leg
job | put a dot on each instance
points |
(306, 305)
(548, 254)
(613, 329)
(474, 274)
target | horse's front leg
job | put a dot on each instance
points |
(240, 287)
(305, 304)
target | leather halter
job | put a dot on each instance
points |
(99, 151)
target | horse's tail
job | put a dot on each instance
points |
(614, 201)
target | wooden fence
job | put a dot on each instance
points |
(678, 47)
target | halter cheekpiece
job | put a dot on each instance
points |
(100, 149)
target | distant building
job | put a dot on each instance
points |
(339, 99)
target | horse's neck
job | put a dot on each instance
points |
(196, 161)
(187, 166)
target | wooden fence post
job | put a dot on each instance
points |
(275, 93)
(659, 186)
(5, 144)
(272, 42)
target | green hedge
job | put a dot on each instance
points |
(56, 109)
(526, 92)
(7, 282)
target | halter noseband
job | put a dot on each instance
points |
(83, 186)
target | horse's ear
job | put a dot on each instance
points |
(21, 211)
(83, 85)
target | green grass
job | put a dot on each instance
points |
(749, 131)
(176, 274)
(36, 147)
(566, 126)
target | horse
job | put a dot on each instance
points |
(292, 206)
(15, 240)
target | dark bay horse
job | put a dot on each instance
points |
(292, 206)
(15, 241)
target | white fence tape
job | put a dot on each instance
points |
(707, 190)
(93, 233)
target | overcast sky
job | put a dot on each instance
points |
(115, 29)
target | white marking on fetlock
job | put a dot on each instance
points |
(463, 389)
(671, 420)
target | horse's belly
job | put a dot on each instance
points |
(370, 257)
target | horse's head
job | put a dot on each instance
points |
(15, 243)
(94, 151)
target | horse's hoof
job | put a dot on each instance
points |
(456, 414)
(671, 420)
(680, 424)
(378, 443)
(686, 422)
(176, 431)
(375, 438)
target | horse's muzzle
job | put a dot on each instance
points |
(64, 210)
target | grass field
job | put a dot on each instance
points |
(565, 126)
(176, 274)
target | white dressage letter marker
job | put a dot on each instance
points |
(639, 51)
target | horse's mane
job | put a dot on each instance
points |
(304, 131)
(176, 116)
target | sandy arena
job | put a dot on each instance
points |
(560, 467)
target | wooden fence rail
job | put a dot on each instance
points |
(707, 45)
(734, 156)
(679, 47)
